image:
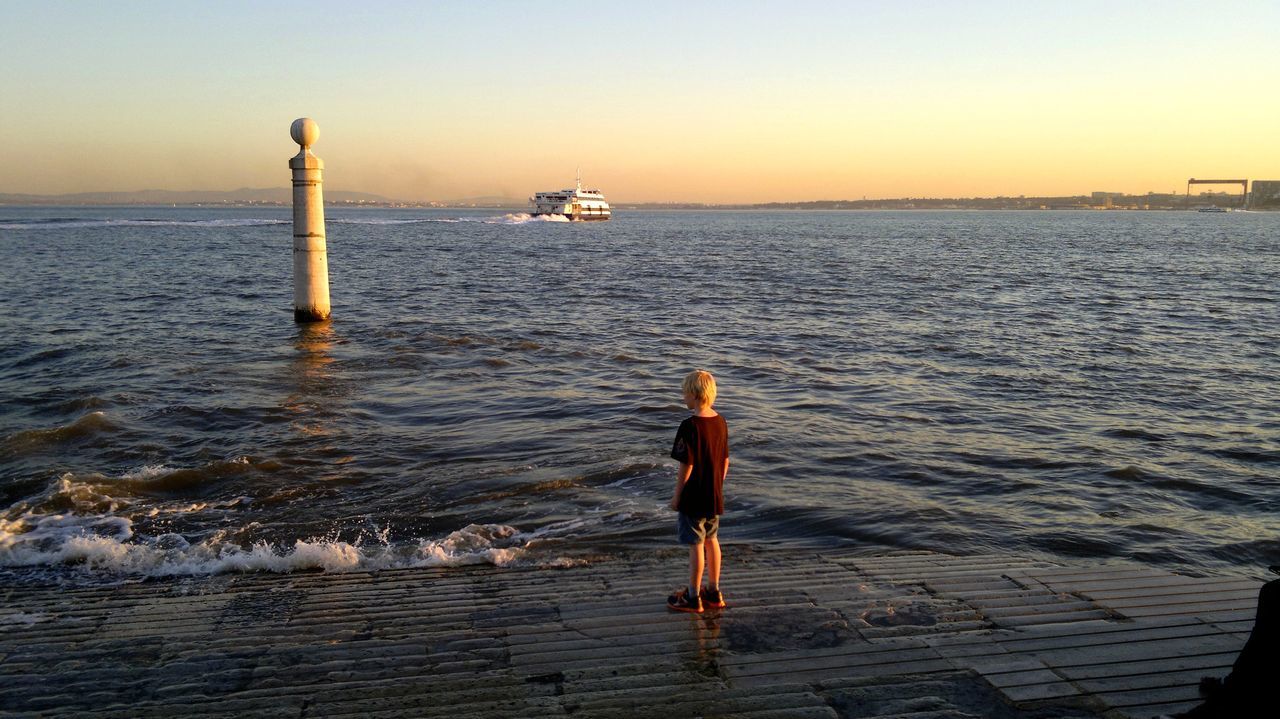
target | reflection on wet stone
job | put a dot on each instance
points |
(273, 607)
(947, 694)
(523, 615)
(912, 615)
(759, 631)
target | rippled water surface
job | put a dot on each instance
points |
(498, 389)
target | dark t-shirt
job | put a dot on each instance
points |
(704, 443)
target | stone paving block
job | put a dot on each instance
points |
(479, 641)
(1143, 697)
(1039, 692)
(1137, 651)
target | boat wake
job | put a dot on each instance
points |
(523, 218)
(511, 218)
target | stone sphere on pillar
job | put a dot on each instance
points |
(305, 132)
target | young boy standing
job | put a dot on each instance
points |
(702, 449)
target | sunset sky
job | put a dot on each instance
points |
(655, 101)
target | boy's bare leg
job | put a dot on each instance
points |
(713, 562)
(695, 568)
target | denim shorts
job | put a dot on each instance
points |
(695, 530)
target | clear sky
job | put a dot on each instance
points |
(656, 101)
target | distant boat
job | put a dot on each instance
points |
(1212, 208)
(576, 204)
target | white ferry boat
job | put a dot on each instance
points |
(576, 203)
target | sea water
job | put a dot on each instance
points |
(495, 388)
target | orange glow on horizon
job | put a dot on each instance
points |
(735, 104)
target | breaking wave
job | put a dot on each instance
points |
(30, 440)
(108, 544)
(89, 522)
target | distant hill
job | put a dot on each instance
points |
(242, 196)
(490, 201)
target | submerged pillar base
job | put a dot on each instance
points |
(309, 315)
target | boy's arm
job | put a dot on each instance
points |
(682, 476)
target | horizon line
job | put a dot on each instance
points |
(221, 196)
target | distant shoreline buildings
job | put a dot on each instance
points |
(1265, 195)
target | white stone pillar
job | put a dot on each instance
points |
(310, 259)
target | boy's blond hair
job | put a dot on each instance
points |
(702, 386)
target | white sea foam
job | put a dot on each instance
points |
(77, 521)
(511, 218)
(64, 538)
(83, 495)
(108, 544)
(520, 218)
(473, 544)
(178, 509)
(150, 471)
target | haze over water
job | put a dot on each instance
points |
(498, 389)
